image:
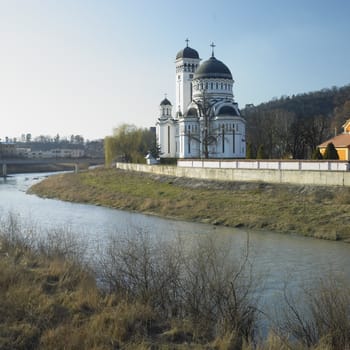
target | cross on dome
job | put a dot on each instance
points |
(187, 41)
(212, 49)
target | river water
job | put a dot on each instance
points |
(278, 257)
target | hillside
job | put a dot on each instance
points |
(293, 126)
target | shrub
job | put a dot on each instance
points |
(324, 321)
(316, 155)
(261, 152)
(330, 152)
(202, 284)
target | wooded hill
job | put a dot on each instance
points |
(293, 126)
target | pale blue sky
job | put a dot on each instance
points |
(87, 66)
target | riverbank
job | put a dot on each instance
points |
(320, 212)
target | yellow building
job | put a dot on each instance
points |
(341, 143)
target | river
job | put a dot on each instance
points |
(279, 257)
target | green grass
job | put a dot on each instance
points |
(320, 212)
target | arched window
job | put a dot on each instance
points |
(168, 139)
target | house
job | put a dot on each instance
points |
(7, 149)
(341, 143)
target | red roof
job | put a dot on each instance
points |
(341, 140)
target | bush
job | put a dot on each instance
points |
(316, 155)
(168, 161)
(261, 153)
(330, 152)
(324, 321)
(203, 285)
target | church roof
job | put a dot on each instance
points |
(187, 52)
(212, 68)
(339, 141)
(165, 102)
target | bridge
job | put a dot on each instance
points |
(75, 162)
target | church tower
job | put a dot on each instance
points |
(187, 61)
(166, 130)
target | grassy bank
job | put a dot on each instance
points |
(321, 212)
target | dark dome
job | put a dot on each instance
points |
(187, 52)
(212, 68)
(165, 102)
(228, 110)
(192, 112)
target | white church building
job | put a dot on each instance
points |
(206, 121)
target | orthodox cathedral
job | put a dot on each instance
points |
(206, 122)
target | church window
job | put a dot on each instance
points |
(223, 138)
(233, 141)
(178, 77)
(211, 86)
(206, 86)
(168, 139)
(222, 86)
(225, 86)
(201, 86)
(217, 85)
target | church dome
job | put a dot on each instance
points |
(165, 102)
(212, 68)
(228, 110)
(192, 112)
(187, 52)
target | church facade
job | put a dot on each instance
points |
(205, 121)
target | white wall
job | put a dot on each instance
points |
(212, 171)
(268, 164)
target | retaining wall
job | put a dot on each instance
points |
(300, 177)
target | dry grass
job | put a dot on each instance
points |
(320, 212)
(159, 298)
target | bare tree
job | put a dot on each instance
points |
(207, 137)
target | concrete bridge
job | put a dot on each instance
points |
(75, 162)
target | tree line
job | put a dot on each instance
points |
(293, 126)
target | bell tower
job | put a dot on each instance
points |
(187, 61)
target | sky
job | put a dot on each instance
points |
(87, 66)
